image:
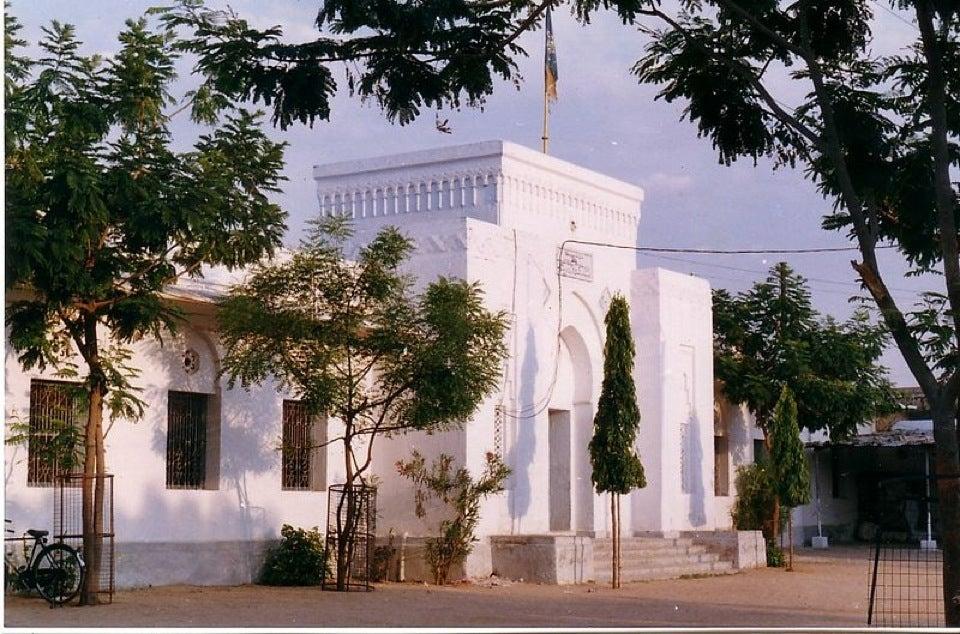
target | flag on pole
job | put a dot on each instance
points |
(550, 62)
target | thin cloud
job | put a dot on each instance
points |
(669, 182)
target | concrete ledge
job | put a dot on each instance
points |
(553, 559)
(746, 549)
(404, 560)
(227, 563)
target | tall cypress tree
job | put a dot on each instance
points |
(616, 466)
(791, 478)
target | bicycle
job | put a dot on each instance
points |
(54, 570)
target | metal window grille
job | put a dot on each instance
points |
(721, 466)
(53, 405)
(297, 445)
(186, 440)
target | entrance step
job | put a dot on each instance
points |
(646, 558)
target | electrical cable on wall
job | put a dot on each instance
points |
(539, 405)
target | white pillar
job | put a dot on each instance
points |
(671, 317)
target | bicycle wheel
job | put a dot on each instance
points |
(58, 573)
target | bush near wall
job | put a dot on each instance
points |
(753, 509)
(297, 560)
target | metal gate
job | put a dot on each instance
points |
(906, 574)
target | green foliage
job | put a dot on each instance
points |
(616, 466)
(791, 475)
(756, 496)
(775, 558)
(462, 495)
(771, 336)
(297, 560)
(325, 327)
(59, 443)
(351, 340)
(102, 214)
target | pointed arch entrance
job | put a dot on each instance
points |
(570, 427)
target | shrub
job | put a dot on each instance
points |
(463, 494)
(756, 496)
(298, 560)
(774, 555)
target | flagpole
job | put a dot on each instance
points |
(546, 116)
(546, 97)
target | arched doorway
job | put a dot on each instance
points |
(570, 427)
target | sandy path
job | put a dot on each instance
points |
(821, 593)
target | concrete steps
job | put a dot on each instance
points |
(646, 558)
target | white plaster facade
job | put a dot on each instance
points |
(494, 213)
(498, 214)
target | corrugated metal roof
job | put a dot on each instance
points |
(892, 438)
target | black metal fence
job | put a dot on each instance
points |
(906, 573)
(351, 530)
(68, 525)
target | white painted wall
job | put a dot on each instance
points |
(502, 212)
(493, 213)
(672, 324)
(246, 501)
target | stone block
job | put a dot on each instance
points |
(746, 549)
(553, 559)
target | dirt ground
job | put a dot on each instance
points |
(823, 590)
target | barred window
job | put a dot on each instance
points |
(57, 417)
(721, 466)
(186, 440)
(303, 465)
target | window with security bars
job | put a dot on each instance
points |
(186, 440)
(57, 418)
(721, 466)
(302, 462)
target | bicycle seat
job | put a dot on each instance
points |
(38, 534)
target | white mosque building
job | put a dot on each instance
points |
(534, 231)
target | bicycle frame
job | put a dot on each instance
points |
(24, 572)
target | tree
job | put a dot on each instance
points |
(102, 215)
(616, 467)
(349, 339)
(877, 134)
(770, 337)
(790, 474)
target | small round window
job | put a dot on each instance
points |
(191, 361)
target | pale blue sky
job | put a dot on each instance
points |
(603, 120)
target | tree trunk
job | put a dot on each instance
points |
(93, 467)
(790, 524)
(344, 532)
(775, 511)
(948, 497)
(614, 530)
(619, 545)
(92, 495)
(616, 497)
